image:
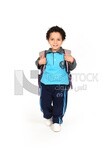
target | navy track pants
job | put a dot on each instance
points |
(53, 101)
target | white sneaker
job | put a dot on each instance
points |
(56, 127)
(48, 122)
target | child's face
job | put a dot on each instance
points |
(55, 41)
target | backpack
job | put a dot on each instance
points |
(67, 70)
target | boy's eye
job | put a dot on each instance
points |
(52, 39)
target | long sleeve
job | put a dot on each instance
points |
(72, 66)
(37, 64)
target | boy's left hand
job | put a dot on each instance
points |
(69, 58)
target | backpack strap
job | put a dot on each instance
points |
(66, 63)
(43, 53)
(68, 71)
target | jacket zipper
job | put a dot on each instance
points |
(53, 58)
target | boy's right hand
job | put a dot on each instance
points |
(42, 60)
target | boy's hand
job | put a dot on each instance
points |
(69, 58)
(42, 60)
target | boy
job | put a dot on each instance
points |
(54, 81)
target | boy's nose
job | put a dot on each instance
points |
(55, 42)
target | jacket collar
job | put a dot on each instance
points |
(61, 50)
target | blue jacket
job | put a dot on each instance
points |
(55, 68)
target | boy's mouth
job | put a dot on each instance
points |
(55, 45)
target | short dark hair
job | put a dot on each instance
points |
(56, 29)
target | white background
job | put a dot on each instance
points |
(23, 25)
